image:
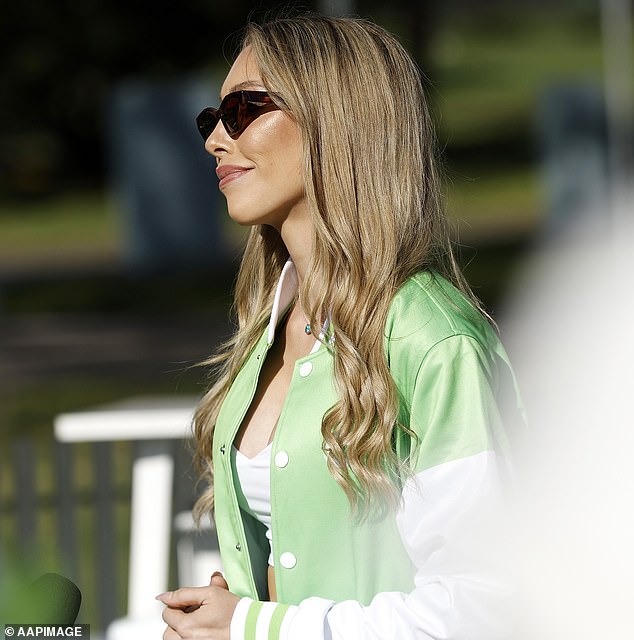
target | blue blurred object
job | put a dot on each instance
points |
(572, 138)
(163, 179)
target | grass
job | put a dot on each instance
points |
(487, 204)
(79, 224)
(73, 228)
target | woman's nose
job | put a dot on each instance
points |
(218, 142)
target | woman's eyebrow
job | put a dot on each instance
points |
(246, 84)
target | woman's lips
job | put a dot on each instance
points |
(230, 173)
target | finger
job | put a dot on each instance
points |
(173, 618)
(187, 596)
(170, 634)
(218, 580)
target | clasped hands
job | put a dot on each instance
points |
(199, 612)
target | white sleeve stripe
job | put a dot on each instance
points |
(286, 623)
(238, 620)
(264, 621)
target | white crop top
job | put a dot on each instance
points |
(254, 495)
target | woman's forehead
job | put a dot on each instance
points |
(244, 73)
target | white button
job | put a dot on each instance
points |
(305, 369)
(288, 560)
(281, 458)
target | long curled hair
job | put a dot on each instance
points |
(373, 193)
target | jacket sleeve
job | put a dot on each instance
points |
(450, 524)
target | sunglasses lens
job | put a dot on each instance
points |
(230, 109)
(206, 122)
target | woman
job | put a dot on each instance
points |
(352, 430)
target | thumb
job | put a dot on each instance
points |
(218, 580)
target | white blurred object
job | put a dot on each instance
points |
(568, 329)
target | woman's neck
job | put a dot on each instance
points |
(297, 234)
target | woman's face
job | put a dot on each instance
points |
(267, 186)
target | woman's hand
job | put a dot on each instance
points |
(199, 612)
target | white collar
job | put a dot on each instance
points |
(287, 288)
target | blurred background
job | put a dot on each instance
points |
(117, 256)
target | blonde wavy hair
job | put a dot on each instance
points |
(374, 197)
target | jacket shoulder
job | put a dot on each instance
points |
(428, 308)
(428, 311)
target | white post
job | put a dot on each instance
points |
(150, 527)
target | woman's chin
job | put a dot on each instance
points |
(246, 217)
(241, 215)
